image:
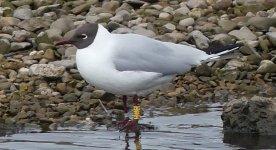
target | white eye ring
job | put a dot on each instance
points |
(84, 36)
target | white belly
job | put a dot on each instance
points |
(101, 74)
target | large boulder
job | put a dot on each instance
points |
(255, 115)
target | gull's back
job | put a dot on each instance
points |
(140, 53)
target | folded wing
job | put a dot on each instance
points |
(138, 53)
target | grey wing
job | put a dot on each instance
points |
(139, 53)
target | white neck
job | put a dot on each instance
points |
(102, 35)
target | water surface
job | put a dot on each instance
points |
(189, 131)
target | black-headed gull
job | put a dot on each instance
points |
(131, 64)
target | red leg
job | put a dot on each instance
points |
(132, 125)
(125, 103)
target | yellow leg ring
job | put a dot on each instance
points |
(136, 112)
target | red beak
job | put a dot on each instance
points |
(63, 42)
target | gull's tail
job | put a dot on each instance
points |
(221, 52)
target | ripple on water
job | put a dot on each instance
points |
(191, 131)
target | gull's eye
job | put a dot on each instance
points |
(84, 36)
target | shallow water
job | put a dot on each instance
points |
(190, 131)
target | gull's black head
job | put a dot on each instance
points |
(83, 37)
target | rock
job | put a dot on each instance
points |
(197, 4)
(246, 50)
(23, 13)
(54, 34)
(92, 19)
(5, 12)
(63, 24)
(113, 25)
(70, 97)
(5, 85)
(253, 59)
(222, 4)
(256, 115)
(24, 72)
(136, 3)
(8, 21)
(98, 94)
(203, 70)
(124, 14)
(227, 25)
(4, 46)
(173, 37)
(234, 64)
(144, 32)
(134, 22)
(169, 27)
(165, 16)
(184, 10)
(111, 5)
(121, 16)
(45, 9)
(21, 35)
(201, 41)
(262, 23)
(243, 34)
(61, 87)
(43, 46)
(124, 6)
(70, 52)
(122, 31)
(187, 22)
(17, 46)
(42, 37)
(20, 3)
(230, 76)
(81, 8)
(272, 37)
(152, 12)
(5, 36)
(104, 17)
(67, 63)
(47, 70)
(34, 24)
(15, 105)
(49, 54)
(267, 66)
(257, 5)
(223, 39)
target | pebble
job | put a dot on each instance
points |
(47, 70)
(144, 32)
(243, 34)
(187, 22)
(23, 13)
(63, 24)
(170, 27)
(8, 21)
(165, 16)
(201, 40)
(67, 63)
(17, 46)
(20, 35)
(197, 4)
(272, 37)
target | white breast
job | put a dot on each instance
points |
(97, 69)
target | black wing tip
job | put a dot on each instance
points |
(215, 50)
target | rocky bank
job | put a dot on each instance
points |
(40, 84)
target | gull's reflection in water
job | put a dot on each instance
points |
(137, 141)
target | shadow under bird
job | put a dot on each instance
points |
(131, 64)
